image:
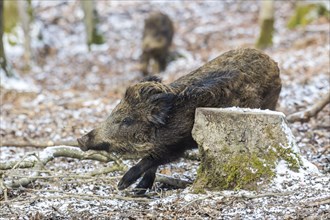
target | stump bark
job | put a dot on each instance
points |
(240, 148)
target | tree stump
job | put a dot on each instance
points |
(240, 148)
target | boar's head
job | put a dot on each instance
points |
(131, 126)
(158, 32)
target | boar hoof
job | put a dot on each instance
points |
(129, 178)
(146, 182)
(124, 183)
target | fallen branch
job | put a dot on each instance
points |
(305, 116)
(319, 202)
(3, 188)
(80, 196)
(88, 177)
(37, 144)
(47, 144)
(40, 159)
(178, 183)
(270, 194)
(22, 181)
(50, 153)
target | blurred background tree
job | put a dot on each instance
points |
(305, 13)
(25, 13)
(13, 13)
(91, 21)
(266, 19)
(308, 11)
(3, 61)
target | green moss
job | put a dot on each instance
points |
(198, 187)
(243, 170)
(293, 159)
(246, 170)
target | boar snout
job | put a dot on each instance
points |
(86, 141)
(93, 141)
(83, 142)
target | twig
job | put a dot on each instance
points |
(18, 162)
(178, 183)
(77, 196)
(42, 158)
(37, 144)
(26, 180)
(50, 153)
(270, 194)
(107, 170)
(319, 202)
(243, 196)
(195, 200)
(3, 188)
(74, 177)
(21, 182)
(304, 116)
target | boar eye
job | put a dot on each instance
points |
(127, 121)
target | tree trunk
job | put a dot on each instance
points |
(91, 21)
(266, 24)
(3, 60)
(241, 148)
(24, 11)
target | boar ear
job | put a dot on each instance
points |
(161, 105)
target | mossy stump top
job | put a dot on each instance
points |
(240, 148)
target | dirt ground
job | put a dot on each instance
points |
(72, 89)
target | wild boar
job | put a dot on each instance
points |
(155, 120)
(157, 38)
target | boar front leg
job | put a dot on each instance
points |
(160, 63)
(136, 172)
(146, 182)
(145, 58)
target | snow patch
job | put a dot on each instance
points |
(291, 139)
(248, 110)
(285, 175)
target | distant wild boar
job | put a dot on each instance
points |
(155, 120)
(157, 38)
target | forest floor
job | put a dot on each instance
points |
(70, 90)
